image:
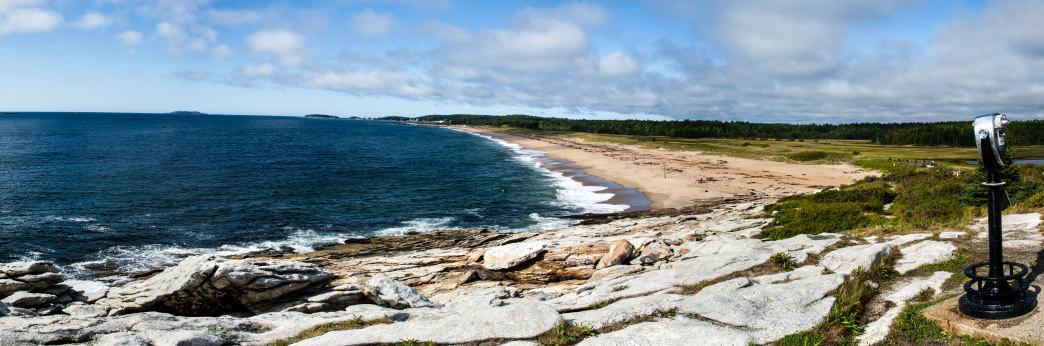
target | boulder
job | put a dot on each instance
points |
(845, 260)
(680, 331)
(516, 321)
(25, 299)
(653, 252)
(208, 285)
(618, 253)
(15, 269)
(8, 286)
(394, 294)
(510, 255)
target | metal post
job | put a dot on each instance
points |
(997, 295)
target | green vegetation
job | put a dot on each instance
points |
(603, 303)
(783, 260)
(842, 324)
(922, 197)
(956, 134)
(620, 288)
(855, 206)
(355, 323)
(565, 333)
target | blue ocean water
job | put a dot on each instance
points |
(125, 192)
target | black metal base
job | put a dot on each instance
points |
(971, 308)
(998, 296)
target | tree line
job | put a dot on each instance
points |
(953, 133)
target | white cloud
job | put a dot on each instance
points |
(130, 37)
(288, 47)
(180, 40)
(220, 51)
(377, 82)
(617, 64)
(10, 4)
(368, 23)
(233, 17)
(259, 70)
(93, 20)
(26, 20)
(446, 31)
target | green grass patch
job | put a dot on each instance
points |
(783, 260)
(851, 207)
(620, 288)
(565, 333)
(602, 303)
(355, 323)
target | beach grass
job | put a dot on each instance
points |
(812, 151)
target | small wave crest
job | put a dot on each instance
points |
(570, 192)
(421, 225)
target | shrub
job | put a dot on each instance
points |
(808, 156)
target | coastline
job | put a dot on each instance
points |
(673, 179)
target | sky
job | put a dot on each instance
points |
(793, 61)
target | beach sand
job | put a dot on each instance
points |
(671, 179)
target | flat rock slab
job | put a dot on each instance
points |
(846, 260)
(769, 311)
(925, 252)
(1028, 328)
(624, 310)
(680, 331)
(508, 256)
(515, 321)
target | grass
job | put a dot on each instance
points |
(783, 260)
(355, 323)
(602, 303)
(565, 333)
(620, 288)
(842, 324)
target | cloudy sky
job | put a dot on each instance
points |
(755, 60)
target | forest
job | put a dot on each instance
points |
(954, 133)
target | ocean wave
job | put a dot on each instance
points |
(421, 225)
(570, 192)
(115, 264)
(80, 219)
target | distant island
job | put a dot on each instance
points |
(322, 116)
(187, 113)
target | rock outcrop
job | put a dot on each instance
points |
(394, 294)
(208, 285)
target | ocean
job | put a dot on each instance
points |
(111, 194)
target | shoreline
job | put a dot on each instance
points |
(671, 179)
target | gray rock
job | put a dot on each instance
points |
(952, 235)
(394, 294)
(609, 273)
(183, 338)
(8, 310)
(8, 286)
(208, 285)
(624, 310)
(925, 252)
(796, 274)
(903, 239)
(769, 311)
(119, 339)
(515, 321)
(55, 329)
(15, 269)
(520, 343)
(680, 331)
(510, 255)
(25, 299)
(845, 260)
(341, 299)
(85, 310)
(619, 253)
(309, 307)
(653, 252)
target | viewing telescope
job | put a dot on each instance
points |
(1001, 293)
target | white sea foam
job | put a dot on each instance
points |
(422, 225)
(570, 192)
(135, 259)
(80, 219)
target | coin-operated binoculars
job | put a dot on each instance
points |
(1001, 293)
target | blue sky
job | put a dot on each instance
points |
(756, 60)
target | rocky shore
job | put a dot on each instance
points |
(667, 279)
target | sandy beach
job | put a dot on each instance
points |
(672, 179)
